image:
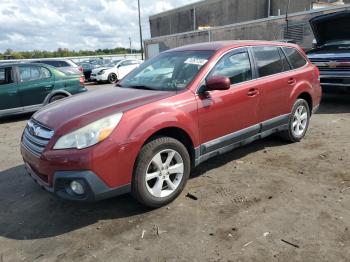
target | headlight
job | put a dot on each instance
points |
(89, 135)
(101, 72)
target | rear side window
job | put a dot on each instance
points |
(33, 73)
(236, 66)
(294, 57)
(51, 63)
(6, 76)
(268, 60)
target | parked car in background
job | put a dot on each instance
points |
(146, 135)
(65, 65)
(26, 87)
(89, 65)
(332, 52)
(114, 71)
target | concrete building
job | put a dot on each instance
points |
(213, 13)
(253, 26)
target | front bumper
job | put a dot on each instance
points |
(96, 77)
(94, 188)
(105, 170)
(335, 81)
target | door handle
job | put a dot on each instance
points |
(292, 81)
(253, 92)
(48, 87)
(12, 93)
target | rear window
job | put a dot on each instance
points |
(268, 60)
(294, 57)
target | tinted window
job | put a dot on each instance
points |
(268, 60)
(285, 63)
(237, 67)
(32, 73)
(126, 63)
(295, 58)
(51, 63)
(5, 76)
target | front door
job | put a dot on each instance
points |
(230, 116)
(9, 97)
(35, 84)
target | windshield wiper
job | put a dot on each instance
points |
(140, 87)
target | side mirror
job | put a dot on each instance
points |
(218, 83)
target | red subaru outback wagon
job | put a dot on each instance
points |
(169, 115)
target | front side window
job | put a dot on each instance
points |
(295, 58)
(237, 67)
(268, 60)
(6, 76)
(169, 71)
(33, 73)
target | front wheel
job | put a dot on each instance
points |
(298, 122)
(112, 78)
(161, 172)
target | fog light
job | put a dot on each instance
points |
(77, 187)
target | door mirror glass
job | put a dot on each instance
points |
(218, 83)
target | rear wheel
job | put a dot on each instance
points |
(298, 122)
(162, 170)
(57, 97)
(112, 78)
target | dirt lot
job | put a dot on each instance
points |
(248, 201)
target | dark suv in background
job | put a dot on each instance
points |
(332, 52)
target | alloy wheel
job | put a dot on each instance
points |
(164, 173)
(300, 121)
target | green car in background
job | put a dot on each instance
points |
(26, 87)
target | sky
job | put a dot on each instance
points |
(76, 24)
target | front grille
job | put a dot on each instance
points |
(340, 65)
(36, 137)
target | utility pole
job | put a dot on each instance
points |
(130, 45)
(140, 28)
(287, 20)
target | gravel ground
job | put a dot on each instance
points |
(249, 200)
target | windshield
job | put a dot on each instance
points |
(113, 63)
(169, 71)
(340, 42)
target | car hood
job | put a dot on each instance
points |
(79, 110)
(331, 27)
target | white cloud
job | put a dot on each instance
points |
(74, 24)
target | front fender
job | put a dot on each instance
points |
(144, 125)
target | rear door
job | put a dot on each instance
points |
(9, 97)
(35, 84)
(276, 82)
(229, 116)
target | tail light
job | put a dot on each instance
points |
(81, 69)
(82, 80)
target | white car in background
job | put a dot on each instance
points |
(114, 71)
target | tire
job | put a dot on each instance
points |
(297, 127)
(150, 184)
(57, 97)
(112, 78)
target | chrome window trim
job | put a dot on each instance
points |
(253, 58)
